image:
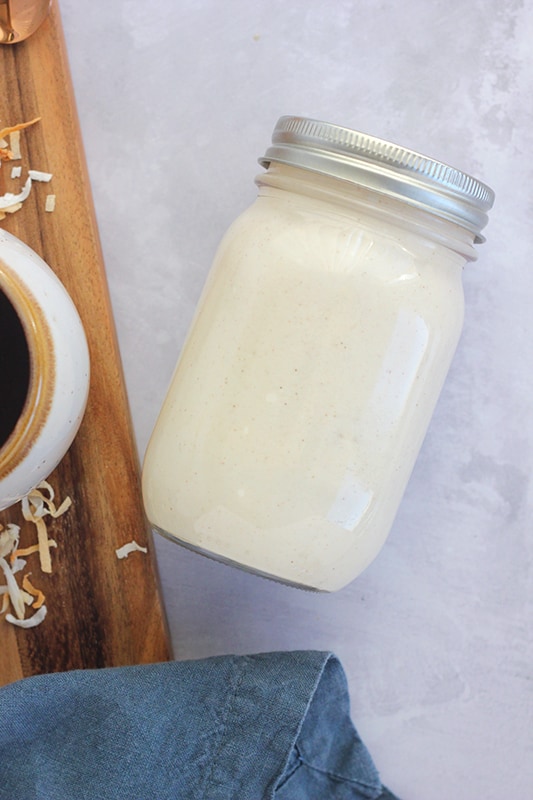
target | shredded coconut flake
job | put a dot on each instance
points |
(38, 504)
(9, 199)
(35, 506)
(15, 592)
(37, 597)
(9, 202)
(130, 547)
(14, 144)
(28, 551)
(19, 127)
(37, 175)
(9, 539)
(10, 209)
(18, 565)
(29, 622)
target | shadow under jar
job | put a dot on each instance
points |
(316, 357)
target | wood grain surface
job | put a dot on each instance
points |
(101, 611)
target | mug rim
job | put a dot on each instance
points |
(39, 398)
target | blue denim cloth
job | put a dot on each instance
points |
(274, 725)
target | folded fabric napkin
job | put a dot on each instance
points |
(274, 725)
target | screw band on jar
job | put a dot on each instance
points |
(384, 167)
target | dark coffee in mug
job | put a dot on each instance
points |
(14, 368)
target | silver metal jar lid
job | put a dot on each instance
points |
(384, 167)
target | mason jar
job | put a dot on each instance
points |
(316, 357)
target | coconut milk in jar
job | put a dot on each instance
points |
(316, 357)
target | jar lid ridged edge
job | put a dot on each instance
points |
(382, 165)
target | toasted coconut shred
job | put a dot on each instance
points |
(18, 594)
(36, 506)
(10, 202)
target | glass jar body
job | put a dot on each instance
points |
(307, 381)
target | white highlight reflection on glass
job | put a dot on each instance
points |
(350, 504)
(400, 367)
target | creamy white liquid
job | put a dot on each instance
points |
(304, 390)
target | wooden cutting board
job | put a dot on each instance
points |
(102, 611)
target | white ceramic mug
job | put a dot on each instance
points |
(44, 370)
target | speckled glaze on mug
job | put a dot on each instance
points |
(58, 382)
